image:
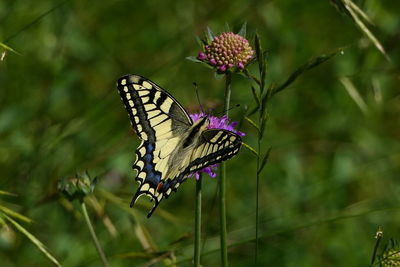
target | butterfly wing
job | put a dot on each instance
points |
(160, 121)
(213, 146)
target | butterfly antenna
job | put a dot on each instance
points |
(222, 112)
(198, 98)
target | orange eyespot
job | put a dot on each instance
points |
(160, 186)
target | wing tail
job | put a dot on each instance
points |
(156, 197)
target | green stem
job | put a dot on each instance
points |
(257, 196)
(197, 224)
(378, 240)
(222, 187)
(93, 234)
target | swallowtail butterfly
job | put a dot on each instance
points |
(172, 145)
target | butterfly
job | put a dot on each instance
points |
(173, 146)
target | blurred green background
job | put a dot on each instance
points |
(333, 173)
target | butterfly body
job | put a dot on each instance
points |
(172, 145)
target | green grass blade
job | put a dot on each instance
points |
(6, 193)
(251, 149)
(14, 214)
(33, 239)
(354, 94)
(312, 63)
(7, 48)
(355, 13)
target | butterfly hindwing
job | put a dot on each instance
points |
(213, 146)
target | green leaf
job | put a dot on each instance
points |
(5, 193)
(263, 71)
(252, 123)
(262, 66)
(250, 148)
(242, 31)
(256, 97)
(264, 161)
(218, 76)
(264, 120)
(312, 63)
(259, 53)
(120, 203)
(265, 99)
(340, 6)
(209, 35)
(270, 89)
(194, 59)
(227, 28)
(359, 11)
(354, 94)
(252, 111)
(200, 41)
(14, 214)
(250, 76)
(357, 15)
(6, 47)
(33, 239)
(140, 255)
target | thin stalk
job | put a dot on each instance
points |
(379, 235)
(257, 196)
(197, 224)
(93, 234)
(222, 188)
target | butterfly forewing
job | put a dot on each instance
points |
(159, 120)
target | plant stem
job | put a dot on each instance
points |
(222, 187)
(197, 224)
(257, 192)
(93, 234)
(379, 235)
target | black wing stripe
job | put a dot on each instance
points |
(216, 151)
(149, 108)
(135, 108)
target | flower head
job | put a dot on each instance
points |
(227, 52)
(391, 254)
(77, 187)
(215, 123)
(391, 257)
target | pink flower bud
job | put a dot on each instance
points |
(201, 56)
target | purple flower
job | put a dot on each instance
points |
(215, 123)
(227, 52)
